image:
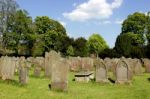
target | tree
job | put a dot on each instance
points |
(96, 44)
(135, 23)
(70, 51)
(80, 47)
(51, 32)
(7, 10)
(38, 48)
(148, 28)
(134, 35)
(109, 52)
(44, 24)
(19, 32)
(128, 43)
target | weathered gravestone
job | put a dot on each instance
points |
(137, 67)
(23, 71)
(37, 70)
(59, 80)
(86, 64)
(108, 63)
(40, 61)
(7, 68)
(114, 63)
(131, 64)
(101, 71)
(16, 64)
(50, 59)
(146, 63)
(74, 64)
(122, 72)
(30, 59)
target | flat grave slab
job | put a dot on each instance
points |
(84, 76)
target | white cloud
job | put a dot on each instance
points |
(63, 23)
(116, 4)
(93, 9)
(119, 21)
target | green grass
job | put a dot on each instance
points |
(38, 89)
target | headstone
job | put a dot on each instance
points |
(138, 67)
(74, 64)
(50, 59)
(8, 68)
(23, 71)
(131, 64)
(101, 71)
(40, 61)
(59, 79)
(114, 65)
(108, 63)
(122, 72)
(37, 71)
(86, 64)
(146, 64)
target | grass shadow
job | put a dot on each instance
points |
(111, 80)
(148, 79)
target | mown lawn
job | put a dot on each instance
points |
(38, 89)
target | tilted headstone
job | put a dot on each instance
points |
(23, 71)
(101, 71)
(122, 72)
(146, 63)
(59, 79)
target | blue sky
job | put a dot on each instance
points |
(81, 18)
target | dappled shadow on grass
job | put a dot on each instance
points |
(111, 80)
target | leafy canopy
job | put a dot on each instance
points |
(96, 44)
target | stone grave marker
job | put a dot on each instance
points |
(59, 80)
(23, 71)
(146, 63)
(101, 71)
(8, 68)
(50, 58)
(86, 64)
(122, 72)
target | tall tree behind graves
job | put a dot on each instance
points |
(18, 36)
(96, 44)
(49, 35)
(7, 10)
(133, 36)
